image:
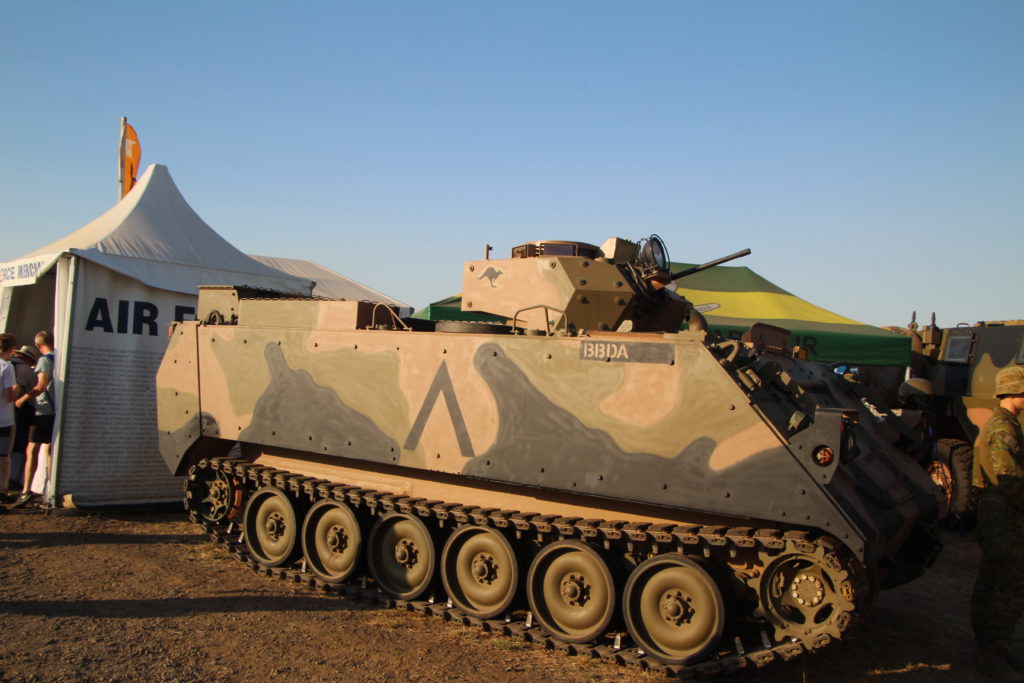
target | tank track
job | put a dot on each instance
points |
(786, 643)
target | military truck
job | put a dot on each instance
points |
(584, 474)
(952, 382)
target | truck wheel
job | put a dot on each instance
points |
(958, 455)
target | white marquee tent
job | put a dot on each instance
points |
(330, 285)
(109, 291)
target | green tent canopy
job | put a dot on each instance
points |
(737, 298)
(451, 309)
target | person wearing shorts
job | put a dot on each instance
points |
(24, 362)
(41, 432)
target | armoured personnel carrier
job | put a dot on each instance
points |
(586, 474)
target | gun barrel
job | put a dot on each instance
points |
(710, 264)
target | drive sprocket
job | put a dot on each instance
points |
(808, 592)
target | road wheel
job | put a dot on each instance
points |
(673, 609)
(332, 541)
(401, 556)
(571, 591)
(272, 527)
(479, 571)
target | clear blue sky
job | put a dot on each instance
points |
(871, 154)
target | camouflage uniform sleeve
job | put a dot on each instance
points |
(1005, 453)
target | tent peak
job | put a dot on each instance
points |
(154, 223)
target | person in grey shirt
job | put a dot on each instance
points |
(40, 434)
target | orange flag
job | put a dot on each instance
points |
(130, 154)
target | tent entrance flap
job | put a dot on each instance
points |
(30, 309)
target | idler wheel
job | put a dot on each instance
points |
(673, 608)
(480, 571)
(332, 541)
(571, 591)
(211, 494)
(272, 527)
(401, 555)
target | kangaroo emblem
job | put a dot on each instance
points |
(491, 274)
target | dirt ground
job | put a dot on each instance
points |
(129, 597)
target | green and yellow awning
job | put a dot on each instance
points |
(744, 298)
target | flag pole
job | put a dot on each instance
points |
(120, 161)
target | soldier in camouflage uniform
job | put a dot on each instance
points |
(998, 598)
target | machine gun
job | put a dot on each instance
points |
(709, 264)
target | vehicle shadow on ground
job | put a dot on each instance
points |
(181, 607)
(35, 540)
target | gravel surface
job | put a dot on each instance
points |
(146, 596)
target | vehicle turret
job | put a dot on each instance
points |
(558, 285)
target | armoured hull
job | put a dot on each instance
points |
(695, 493)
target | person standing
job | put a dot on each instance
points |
(8, 392)
(24, 361)
(998, 597)
(40, 434)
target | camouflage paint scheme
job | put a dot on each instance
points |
(547, 287)
(592, 294)
(755, 500)
(961, 363)
(652, 425)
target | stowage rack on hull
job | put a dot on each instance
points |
(587, 465)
